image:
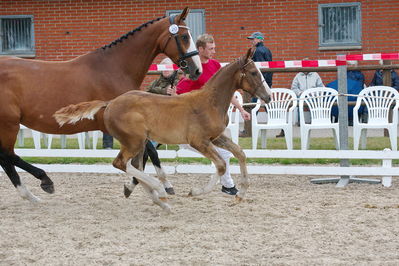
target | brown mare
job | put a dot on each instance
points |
(32, 90)
(197, 118)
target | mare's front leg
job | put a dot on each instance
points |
(226, 143)
(208, 150)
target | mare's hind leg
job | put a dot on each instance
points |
(209, 151)
(46, 183)
(226, 143)
(151, 151)
(8, 160)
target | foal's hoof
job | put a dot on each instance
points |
(48, 187)
(126, 191)
(170, 190)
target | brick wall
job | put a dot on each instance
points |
(66, 29)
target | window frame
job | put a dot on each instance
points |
(20, 53)
(357, 37)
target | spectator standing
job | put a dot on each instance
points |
(262, 54)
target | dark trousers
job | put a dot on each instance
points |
(108, 141)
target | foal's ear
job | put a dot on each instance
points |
(183, 15)
(250, 53)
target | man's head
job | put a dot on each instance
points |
(256, 37)
(206, 47)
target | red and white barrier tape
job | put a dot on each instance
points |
(363, 57)
(271, 64)
(341, 60)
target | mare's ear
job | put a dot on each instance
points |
(250, 53)
(183, 15)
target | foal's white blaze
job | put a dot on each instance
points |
(264, 82)
(196, 58)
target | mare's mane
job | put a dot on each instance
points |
(125, 36)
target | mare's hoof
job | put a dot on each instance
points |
(170, 190)
(48, 187)
(126, 191)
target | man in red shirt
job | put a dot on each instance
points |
(206, 48)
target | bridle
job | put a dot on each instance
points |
(243, 75)
(174, 33)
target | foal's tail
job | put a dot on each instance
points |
(75, 112)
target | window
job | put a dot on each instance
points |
(195, 21)
(16, 35)
(340, 25)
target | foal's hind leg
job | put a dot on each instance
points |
(152, 152)
(226, 143)
(120, 162)
(151, 184)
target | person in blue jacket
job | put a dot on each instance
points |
(353, 87)
(262, 54)
(378, 79)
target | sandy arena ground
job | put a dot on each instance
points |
(285, 220)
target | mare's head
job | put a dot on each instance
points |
(178, 44)
(251, 79)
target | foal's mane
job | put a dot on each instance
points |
(225, 68)
(125, 36)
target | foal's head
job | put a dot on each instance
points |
(178, 44)
(251, 79)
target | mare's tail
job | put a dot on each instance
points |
(75, 112)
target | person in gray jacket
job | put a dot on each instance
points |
(304, 81)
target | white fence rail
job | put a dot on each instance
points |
(385, 170)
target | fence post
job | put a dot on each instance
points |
(343, 119)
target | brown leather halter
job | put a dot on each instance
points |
(243, 75)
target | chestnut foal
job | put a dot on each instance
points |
(197, 118)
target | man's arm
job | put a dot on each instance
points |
(245, 115)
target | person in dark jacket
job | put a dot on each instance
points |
(378, 79)
(355, 74)
(262, 54)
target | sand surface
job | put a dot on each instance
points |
(285, 220)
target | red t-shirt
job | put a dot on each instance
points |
(208, 70)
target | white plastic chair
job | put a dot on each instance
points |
(319, 101)
(234, 119)
(80, 136)
(378, 102)
(35, 135)
(279, 114)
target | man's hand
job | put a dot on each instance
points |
(171, 90)
(245, 115)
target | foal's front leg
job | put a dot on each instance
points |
(209, 151)
(226, 143)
